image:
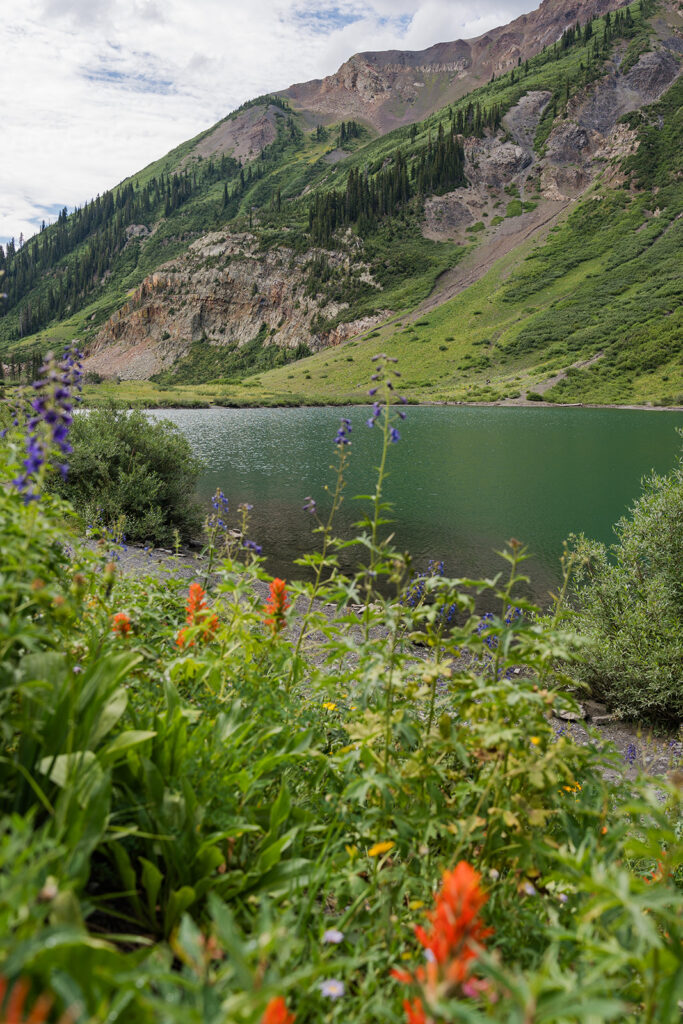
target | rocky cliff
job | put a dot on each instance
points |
(221, 292)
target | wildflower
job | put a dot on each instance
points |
(329, 706)
(631, 753)
(332, 988)
(49, 417)
(394, 435)
(415, 1013)
(276, 605)
(456, 928)
(251, 545)
(342, 435)
(379, 848)
(14, 1007)
(535, 740)
(276, 1012)
(197, 617)
(451, 944)
(333, 935)
(310, 505)
(121, 624)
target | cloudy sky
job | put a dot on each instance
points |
(93, 90)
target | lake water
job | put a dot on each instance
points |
(463, 479)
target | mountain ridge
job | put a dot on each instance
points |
(367, 84)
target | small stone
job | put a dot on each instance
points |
(602, 719)
(593, 708)
(570, 716)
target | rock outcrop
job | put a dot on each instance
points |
(221, 292)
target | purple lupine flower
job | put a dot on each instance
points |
(342, 435)
(251, 545)
(394, 435)
(51, 409)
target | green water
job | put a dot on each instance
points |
(463, 480)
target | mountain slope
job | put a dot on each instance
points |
(270, 237)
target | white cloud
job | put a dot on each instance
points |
(95, 89)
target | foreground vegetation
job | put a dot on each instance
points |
(205, 817)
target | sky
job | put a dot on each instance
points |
(94, 90)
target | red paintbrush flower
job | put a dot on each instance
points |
(120, 624)
(197, 616)
(452, 942)
(276, 1012)
(457, 932)
(276, 605)
(12, 1010)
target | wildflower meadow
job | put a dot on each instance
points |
(265, 801)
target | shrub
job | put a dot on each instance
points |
(133, 473)
(534, 396)
(629, 608)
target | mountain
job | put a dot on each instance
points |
(398, 87)
(512, 232)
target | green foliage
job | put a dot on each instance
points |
(657, 162)
(184, 816)
(132, 474)
(206, 362)
(629, 608)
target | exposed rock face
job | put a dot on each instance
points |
(388, 89)
(221, 292)
(243, 136)
(494, 163)
(591, 132)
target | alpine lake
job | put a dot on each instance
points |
(462, 480)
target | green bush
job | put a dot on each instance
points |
(629, 607)
(134, 474)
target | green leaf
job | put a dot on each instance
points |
(151, 883)
(280, 809)
(272, 853)
(109, 716)
(126, 740)
(60, 769)
(178, 903)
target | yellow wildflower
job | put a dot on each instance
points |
(329, 706)
(379, 848)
